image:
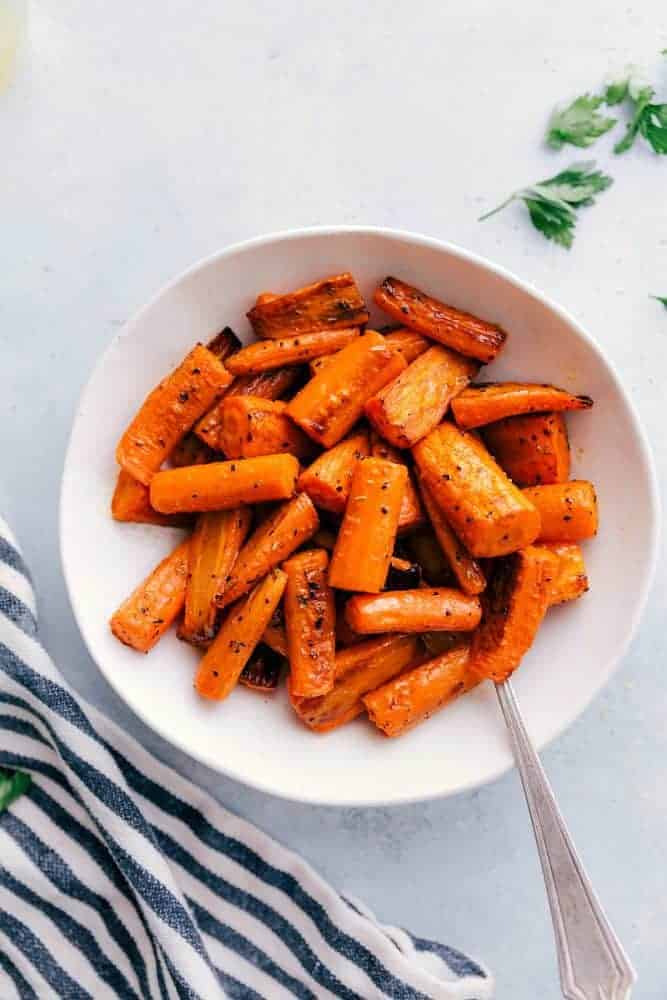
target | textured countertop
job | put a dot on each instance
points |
(139, 138)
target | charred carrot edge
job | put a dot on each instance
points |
(275, 636)
(532, 449)
(419, 693)
(568, 511)
(403, 575)
(310, 621)
(452, 327)
(359, 669)
(487, 511)
(327, 304)
(262, 671)
(241, 631)
(430, 609)
(169, 411)
(131, 502)
(224, 344)
(570, 579)
(365, 542)
(412, 512)
(410, 343)
(268, 385)
(142, 620)
(221, 485)
(252, 426)
(491, 401)
(327, 480)
(515, 603)
(424, 550)
(332, 402)
(267, 354)
(405, 410)
(190, 450)
(274, 540)
(465, 568)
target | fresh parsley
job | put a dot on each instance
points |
(553, 203)
(616, 92)
(648, 120)
(12, 784)
(661, 298)
(580, 124)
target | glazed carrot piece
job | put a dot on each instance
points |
(532, 449)
(459, 330)
(148, 612)
(332, 402)
(274, 540)
(412, 512)
(169, 411)
(410, 343)
(365, 542)
(430, 609)
(131, 502)
(419, 693)
(252, 426)
(568, 511)
(214, 547)
(268, 385)
(327, 480)
(224, 344)
(240, 632)
(264, 355)
(570, 579)
(465, 568)
(190, 450)
(310, 620)
(265, 297)
(221, 485)
(491, 401)
(275, 636)
(359, 669)
(515, 603)
(262, 671)
(416, 401)
(329, 304)
(487, 511)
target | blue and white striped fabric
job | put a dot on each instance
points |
(118, 878)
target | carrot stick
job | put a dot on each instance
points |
(145, 616)
(459, 330)
(467, 570)
(268, 385)
(328, 304)
(570, 579)
(275, 636)
(486, 510)
(568, 511)
(426, 610)
(169, 411)
(264, 355)
(532, 449)
(224, 344)
(366, 539)
(190, 451)
(252, 426)
(262, 671)
(221, 485)
(408, 342)
(328, 406)
(274, 540)
(491, 401)
(310, 620)
(412, 512)
(221, 666)
(131, 502)
(327, 481)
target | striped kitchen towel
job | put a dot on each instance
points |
(118, 878)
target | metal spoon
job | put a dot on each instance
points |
(591, 959)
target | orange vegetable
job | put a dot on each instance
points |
(421, 692)
(412, 512)
(359, 669)
(131, 502)
(532, 449)
(169, 411)
(310, 619)
(484, 404)
(570, 579)
(459, 330)
(145, 616)
(267, 354)
(366, 538)
(275, 636)
(408, 342)
(486, 510)
(416, 401)
(252, 426)
(240, 632)
(428, 609)
(466, 569)
(328, 406)
(327, 480)
(268, 385)
(224, 344)
(288, 527)
(190, 451)
(328, 304)
(262, 671)
(221, 485)
(568, 511)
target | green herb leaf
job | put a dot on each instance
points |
(616, 91)
(580, 123)
(12, 784)
(661, 298)
(649, 120)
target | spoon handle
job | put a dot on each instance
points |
(591, 959)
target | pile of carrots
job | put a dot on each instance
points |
(361, 513)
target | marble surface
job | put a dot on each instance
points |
(139, 138)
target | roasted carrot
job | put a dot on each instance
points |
(131, 502)
(366, 538)
(262, 671)
(221, 485)
(190, 450)
(416, 401)
(169, 411)
(491, 401)
(410, 343)
(570, 579)
(275, 636)
(420, 692)
(265, 297)
(145, 616)
(252, 426)
(532, 449)
(359, 669)
(328, 304)
(412, 512)
(465, 568)
(568, 511)
(265, 355)
(240, 632)
(268, 385)
(487, 511)
(224, 344)
(327, 480)
(288, 527)
(430, 609)
(310, 620)
(328, 406)
(459, 330)
(437, 643)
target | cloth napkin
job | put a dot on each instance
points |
(118, 878)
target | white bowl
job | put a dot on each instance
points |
(257, 739)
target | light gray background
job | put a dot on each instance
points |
(139, 137)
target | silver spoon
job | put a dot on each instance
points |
(591, 959)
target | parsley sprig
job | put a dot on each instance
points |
(580, 124)
(661, 298)
(648, 120)
(12, 784)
